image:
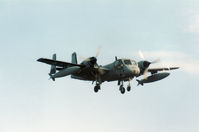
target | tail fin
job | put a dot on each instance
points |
(53, 67)
(51, 77)
(74, 58)
(139, 82)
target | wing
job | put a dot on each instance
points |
(58, 63)
(155, 70)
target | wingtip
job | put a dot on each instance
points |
(40, 59)
(176, 67)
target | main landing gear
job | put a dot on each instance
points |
(122, 89)
(128, 88)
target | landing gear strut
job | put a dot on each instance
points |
(129, 86)
(98, 82)
(122, 89)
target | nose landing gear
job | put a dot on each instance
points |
(128, 88)
(97, 88)
(129, 85)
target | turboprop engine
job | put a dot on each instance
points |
(90, 62)
(143, 65)
(153, 78)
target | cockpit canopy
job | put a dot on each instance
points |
(129, 62)
(121, 62)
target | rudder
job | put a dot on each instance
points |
(74, 58)
(53, 67)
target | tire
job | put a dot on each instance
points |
(122, 90)
(96, 89)
(128, 88)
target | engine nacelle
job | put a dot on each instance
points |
(90, 62)
(143, 65)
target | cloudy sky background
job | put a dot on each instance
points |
(168, 30)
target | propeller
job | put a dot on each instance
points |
(98, 51)
(146, 63)
(141, 55)
(83, 58)
(155, 61)
(143, 58)
(92, 58)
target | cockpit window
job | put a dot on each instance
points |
(133, 62)
(127, 62)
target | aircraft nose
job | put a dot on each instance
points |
(135, 70)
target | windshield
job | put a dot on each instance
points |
(127, 62)
(133, 62)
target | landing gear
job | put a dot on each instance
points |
(129, 85)
(97, 88)
(122, 89)
(128, 88)
(98, 81)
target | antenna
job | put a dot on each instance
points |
(115, 57)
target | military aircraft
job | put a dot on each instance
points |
(120, 70)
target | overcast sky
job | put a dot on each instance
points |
(168, 30)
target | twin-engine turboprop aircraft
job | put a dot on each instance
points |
(120, 70)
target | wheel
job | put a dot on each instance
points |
(122, 90)
(96, 89)
(121, 87)
(128, 88)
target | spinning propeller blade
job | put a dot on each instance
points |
(155, 61)
(98, 51)
(88, 58)
(145, 73)
(143, 58)
(146, 62)
(141, 55)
